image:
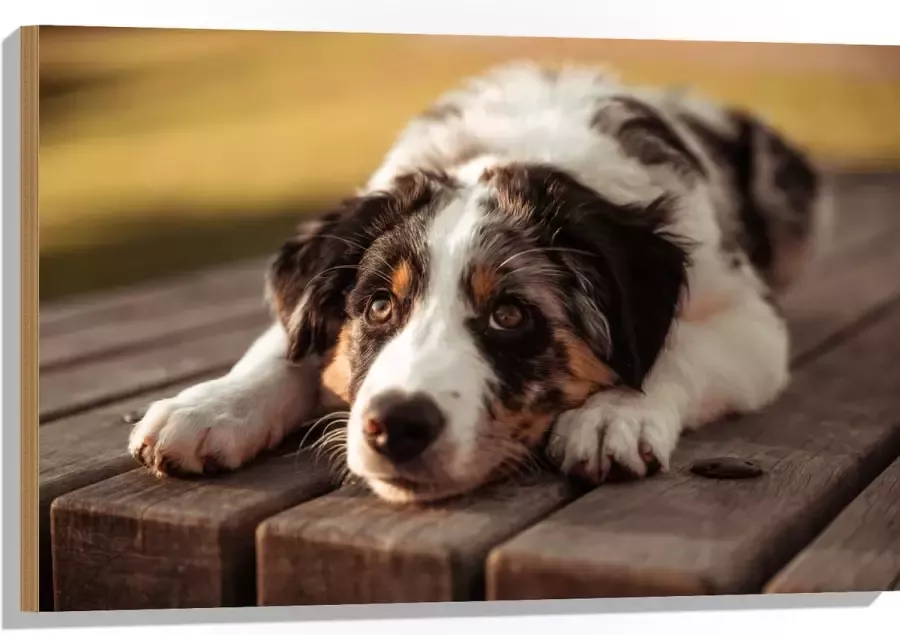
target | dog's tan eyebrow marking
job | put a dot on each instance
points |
(401, 280)
(482, 282)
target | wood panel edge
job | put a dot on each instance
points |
(29, 139)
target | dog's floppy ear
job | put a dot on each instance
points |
(628, 273)
(310, 277)
(628, 288)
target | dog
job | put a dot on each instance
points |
(547, 262)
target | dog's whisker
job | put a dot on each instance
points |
(327, 420)
(328, 270)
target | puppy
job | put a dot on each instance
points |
(544, 260)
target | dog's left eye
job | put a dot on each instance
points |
(380, 308)
(508, 316)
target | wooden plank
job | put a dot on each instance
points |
(832, 301)
(104, 340)
(866, 205)
(66, 390)
(135, 542)
(80, 450)
(154, 299)
(858, 551)
(834, 430)
(349, 547)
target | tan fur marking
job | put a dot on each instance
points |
(525, 426)
(586, 372)
(483, 282)
(401, 280)
(335, 382)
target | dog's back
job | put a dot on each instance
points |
(771, 205)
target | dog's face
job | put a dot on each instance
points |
(457, 320)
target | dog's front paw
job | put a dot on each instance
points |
(611, 429)
(204, 429)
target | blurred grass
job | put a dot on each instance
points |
(166, 150)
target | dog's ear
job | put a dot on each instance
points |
(629, 280)
(628, 273)
(309, 279)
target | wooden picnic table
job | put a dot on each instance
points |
(825, 515)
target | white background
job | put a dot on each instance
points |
(856, 22)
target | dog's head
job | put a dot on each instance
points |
(457, 320)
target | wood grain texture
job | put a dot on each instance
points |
(830, 434)
(80, 450)
(857, 269)
(865, 203)
(350, 548)
(858, 551)
(832, 301)
(28, 328)
(69, 390)
(180, 323)
(135, 542)
(159, 298)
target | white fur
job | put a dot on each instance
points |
(234, 417)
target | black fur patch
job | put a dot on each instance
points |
(621, 268)
(645, 135)
(772, 182)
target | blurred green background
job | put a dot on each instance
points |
(162, 151)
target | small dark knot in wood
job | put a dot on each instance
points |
(727, 468)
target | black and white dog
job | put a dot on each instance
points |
(545, 259)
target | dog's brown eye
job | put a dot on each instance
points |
(380, 308)
(507, 316)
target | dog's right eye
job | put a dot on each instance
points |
(381, 305)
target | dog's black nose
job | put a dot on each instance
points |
(400, 427)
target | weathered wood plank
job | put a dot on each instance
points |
(866, 205)
(66, 390)
(81, 450)
(858, 551)
(135, 542)
(349, 547)
(832, 301)
(105, 340)
(834, 430)
(154, 299)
